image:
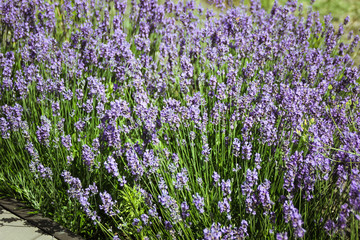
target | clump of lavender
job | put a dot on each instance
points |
(173, 97)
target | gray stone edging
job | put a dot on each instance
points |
(38, 220)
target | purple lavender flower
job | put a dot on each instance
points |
(80, 125)
(56, 108)
(150, 161)
(170, 203)
(76, 191)
(184, 210)
(79, 94)
(216, 177)
(206, 152)
(66, 141)
(32, 150)
(88, 156)
(354, 193)
(257, 161)
(111, 166)
(281, 236)
(43, 132)
(192, 136)
(221, 232)
(330, 227)
(246, 150)
(264, 196)
(88, 106)
(119, 108)
(226, 187)
(224, 205)
(91, 190)
(45, 172)
(292, 214)
(343, 217)
(182, 179)
(236, 147)
(107, 203)
(168, 225)
(134, 163)
(136, 222)
(122, 181)
(248, 191)
(144, 218)
(96, 144)
(213, 233)
(37, 168)
(199, 202)
(4, 128)
(120, 5)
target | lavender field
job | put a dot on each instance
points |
(146, 120)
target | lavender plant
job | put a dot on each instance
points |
(168, 121)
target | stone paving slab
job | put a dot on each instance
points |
(14, 228)
(16, 215)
